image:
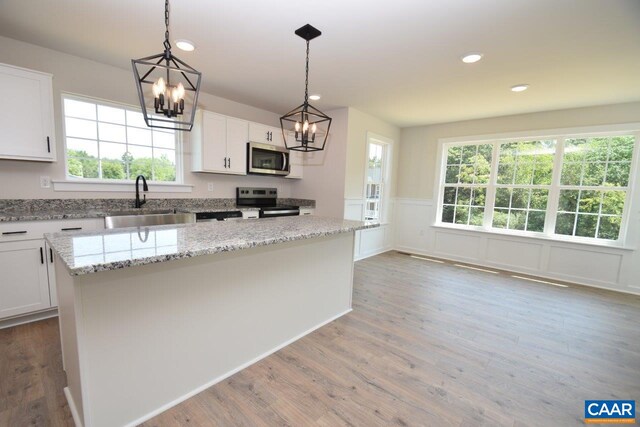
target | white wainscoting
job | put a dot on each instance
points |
(372, 241)
(603, 267)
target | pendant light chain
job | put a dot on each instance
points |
(167, 44)
(306, 80)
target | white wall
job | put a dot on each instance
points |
(324, 171)
(81, 76)
(415, 208)
(359, 124)
(376, 240)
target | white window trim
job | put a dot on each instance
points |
(70, 184)
(558, 134)
(387, 144)
(117, 186)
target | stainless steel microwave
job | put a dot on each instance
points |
(266, 159)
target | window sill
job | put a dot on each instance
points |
(118, 186)
(581, 242)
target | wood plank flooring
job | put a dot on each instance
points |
(427, 344)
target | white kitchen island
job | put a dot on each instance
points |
(150, 317)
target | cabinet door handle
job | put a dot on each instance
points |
(9, 233)
(51, 254)
(229, 162)
(41, 256)
(71, 229)
(48, 145)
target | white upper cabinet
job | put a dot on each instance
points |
(27, 122)
(265, 134)
(296, 159)
(237, 138)
(219, 144)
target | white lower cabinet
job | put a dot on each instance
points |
(307, 211)
(24, 285)
(27, 274)
(48, 253)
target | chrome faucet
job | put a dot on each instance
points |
(145, 187)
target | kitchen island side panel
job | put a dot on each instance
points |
(154, 335)
(70, 323)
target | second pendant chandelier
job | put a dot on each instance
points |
(305, 128)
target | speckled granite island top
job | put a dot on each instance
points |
(92, 252)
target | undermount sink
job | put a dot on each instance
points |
(147, 218)
(141, 212)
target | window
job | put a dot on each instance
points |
(112, 142)
(375, 179)
(466, 180)
(593, 186)
(570, 186)
(525, 170)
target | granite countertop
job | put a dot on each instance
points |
(48, 214)
(54, 214)
(55, 209)
(95, 251)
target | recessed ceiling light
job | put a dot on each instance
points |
(314, 97)
(185, 45)
(519, 88)
(470, 58)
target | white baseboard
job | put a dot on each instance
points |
(561, 277)
(370, 254)
(73, 408)
(28, 318)
(230, 373)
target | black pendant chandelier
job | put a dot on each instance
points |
(167, 87)
(305, 128)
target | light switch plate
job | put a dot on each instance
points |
(45, 181)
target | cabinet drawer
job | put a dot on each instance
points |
(29, 230)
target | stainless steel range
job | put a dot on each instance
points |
(266, 199)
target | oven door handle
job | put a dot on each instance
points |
(284, 161)
(291, 211)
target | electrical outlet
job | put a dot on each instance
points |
(210, 186)
(45, 181)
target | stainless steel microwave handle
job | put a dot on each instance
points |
(284, 161)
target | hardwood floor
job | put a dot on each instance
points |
(31, 376)
(427, 344)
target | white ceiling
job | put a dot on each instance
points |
(398, 60)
